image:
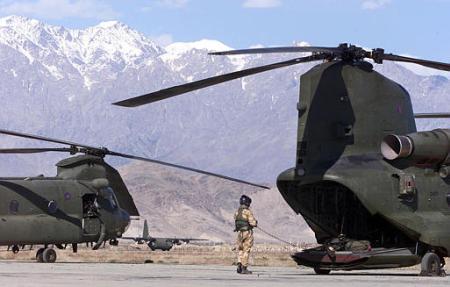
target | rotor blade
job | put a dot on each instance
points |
(279, 50)
(33, 150)
(426, 63)
(185, 168)
(185, 88)
(103, 152)
(30, 136)
(432, 115)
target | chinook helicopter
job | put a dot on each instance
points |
(375, 191)
(86, 202)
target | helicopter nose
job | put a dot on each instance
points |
(124, 221)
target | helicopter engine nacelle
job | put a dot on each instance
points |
(422, 148)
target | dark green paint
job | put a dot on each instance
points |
(31, 221)
(342, 184)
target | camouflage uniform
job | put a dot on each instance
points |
(245, 221)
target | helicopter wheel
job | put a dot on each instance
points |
(15, 249)
(49, 255)
(39, 253)
(320, 271)
(431, 265)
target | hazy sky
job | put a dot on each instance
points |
(413, 27)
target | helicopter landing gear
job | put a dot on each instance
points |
(46, 255)
(39, 257)
(320, 271)
(432, 265)
(15, 249)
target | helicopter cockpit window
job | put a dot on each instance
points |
(110, 197)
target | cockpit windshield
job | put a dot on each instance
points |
(109, 197)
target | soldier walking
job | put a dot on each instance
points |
(244, 222)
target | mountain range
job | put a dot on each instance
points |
(61, 82)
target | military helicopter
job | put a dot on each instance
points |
(375, 191)
(160, 243)
(86, 202)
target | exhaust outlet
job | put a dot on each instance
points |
(394, 146)
(427, 148)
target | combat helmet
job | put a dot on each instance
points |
(245, 200)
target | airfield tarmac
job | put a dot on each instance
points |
(113, 274)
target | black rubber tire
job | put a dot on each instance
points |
(430, 265)
(15, 249)
(49, 255)
(321, 271)
(39, 255)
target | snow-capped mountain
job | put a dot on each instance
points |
(61, 50)
(61, 83)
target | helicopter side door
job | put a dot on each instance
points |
(91, 222)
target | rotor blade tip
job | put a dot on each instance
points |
(123, 104)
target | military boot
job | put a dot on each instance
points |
(245, 270)
(239, 268)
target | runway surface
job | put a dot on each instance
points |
(111, 275)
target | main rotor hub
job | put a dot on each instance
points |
(351, 53)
